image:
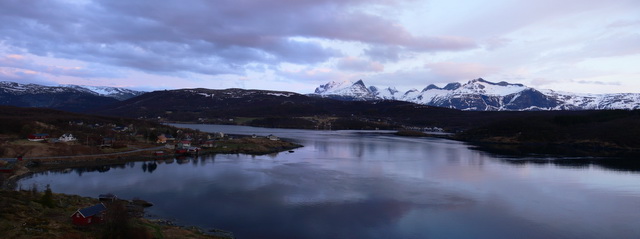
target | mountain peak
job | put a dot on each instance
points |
(480, 80)
(332, 86)
(501, 83)
(359, 83)
(346, 89)
(107, 91)
(452, 86)
(431, 87)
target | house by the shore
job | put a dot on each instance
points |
(37, 137)
(67, 138)
(89, 215)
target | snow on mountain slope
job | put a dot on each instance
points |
(596, 101)
(332, 87)
(346, 90)
(388, 93)
(480, 94)
(481, 86)
(24, 89)
(113, 92)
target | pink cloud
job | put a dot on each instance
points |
(28, 66)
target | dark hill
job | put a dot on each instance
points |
(591, 129)
(192, 104)
(189, 105)
(67, 101)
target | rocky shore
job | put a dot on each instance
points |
(35, 214)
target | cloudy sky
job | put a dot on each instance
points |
(295, 45)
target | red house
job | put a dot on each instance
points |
(38, 137)
(89, 215)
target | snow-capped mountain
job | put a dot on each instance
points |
(346, 90)
(483, 95)
(111, 92)
(107, 91)
(66, 97)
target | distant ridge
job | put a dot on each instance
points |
(482, 95)
(72, 98)
(118, 93)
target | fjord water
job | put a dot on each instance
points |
(372, 184)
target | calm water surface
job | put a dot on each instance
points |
(355, 184)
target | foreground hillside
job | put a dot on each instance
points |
(35, 214)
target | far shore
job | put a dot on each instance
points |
(41, 163)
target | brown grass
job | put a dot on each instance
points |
(23, 216)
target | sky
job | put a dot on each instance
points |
(584, 46)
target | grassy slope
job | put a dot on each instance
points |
(24, 215)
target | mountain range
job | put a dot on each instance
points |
(474, 95)
(482, 95)
(72, 98)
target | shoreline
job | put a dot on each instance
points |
(582, 147)
(8, 181)
(242, 145)
(512, 147)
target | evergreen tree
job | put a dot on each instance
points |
(47, 198)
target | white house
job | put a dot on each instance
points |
(67, 138)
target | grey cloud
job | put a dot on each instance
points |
(22, 77)
(302, 52)
(24, 64)
(358, 64)
(209, 37)
(414, 78)
(384, 53)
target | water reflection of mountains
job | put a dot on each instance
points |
(145, 166)
(570, 157)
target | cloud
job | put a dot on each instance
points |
(359, 64)
(215, 42)
(494, 43)
(318, 75)
(542, 81)
(456, 71)
(590, 82)
(24, 76)
(617, 45)
(405, 79)
(500, 17)
(22, 63)
(199, 36)
(384, 53)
